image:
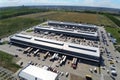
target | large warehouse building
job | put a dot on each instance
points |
(77, 33)
(75, 50)
(31, 72)
(58, 23)
(71, 29)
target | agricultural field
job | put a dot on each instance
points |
(8, 61)
(73, 17)
(38, 15)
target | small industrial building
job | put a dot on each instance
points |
(32, 72)
(70, 49)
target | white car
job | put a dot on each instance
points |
(114, 72)
(112, 67)
(66, 74)
(62, 73)
(90, 70)
(108, 71)
(95, 69)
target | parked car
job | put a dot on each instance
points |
(21, 63)
(114, 72)
(19, 49)
(66, 74)
(88, 77)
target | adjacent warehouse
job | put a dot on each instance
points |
(35, 73)
(75, 50)
(70, 32)
(58, 23)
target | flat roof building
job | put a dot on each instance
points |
(71, 32)
(35, 73)
(75, 50)
(58, 23)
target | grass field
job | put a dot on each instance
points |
(106, 21)
(73, 17)
(38, 15)
(115, 33)
(12, 25)
(118, 17)
(12, 12)
(67, 16)
(7, 61)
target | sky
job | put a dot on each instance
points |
(93, 3)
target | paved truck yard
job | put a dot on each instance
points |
(39, 61)
(109, 58)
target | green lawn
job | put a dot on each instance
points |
(12, 25)
(118, 17)
(12, 12)
(7, 61)
(115, 33)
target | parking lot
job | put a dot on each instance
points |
(6, 74)
(110, 56)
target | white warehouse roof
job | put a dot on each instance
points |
(73, 24)
(35, 73)
(80, 49)
(94, 34)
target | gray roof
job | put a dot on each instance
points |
(87, 50)
(73, 24)
(93, 34)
